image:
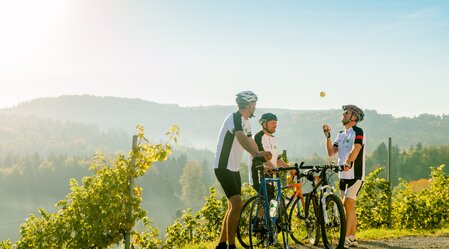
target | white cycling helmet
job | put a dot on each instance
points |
(243, 98)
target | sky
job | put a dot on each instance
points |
(391, 56)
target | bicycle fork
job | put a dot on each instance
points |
(326, 190)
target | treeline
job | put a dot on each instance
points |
(409, 164)
(299, 131)
(28, 135)
(31, 181)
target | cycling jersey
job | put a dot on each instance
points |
(229, 152)
(268, 143)
(345, 142)
(265, 143)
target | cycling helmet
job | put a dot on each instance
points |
(267, 117)
(355, 111)
(243, 98)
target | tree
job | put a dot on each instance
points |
(94, 213)
(193, 188)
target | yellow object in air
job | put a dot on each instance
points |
(322, 94)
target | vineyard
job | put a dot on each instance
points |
(101, 211)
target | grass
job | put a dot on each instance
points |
(369, 234)
(373, 234)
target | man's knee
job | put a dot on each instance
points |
(349, 203)
(236, 202)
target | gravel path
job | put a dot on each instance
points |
(409, 242)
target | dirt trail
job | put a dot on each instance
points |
(409, 242)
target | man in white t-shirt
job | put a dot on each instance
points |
(350, 146)
(235, 137)
(266, 141)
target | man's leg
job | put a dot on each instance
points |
(233, 217)
(224, 226)
(349, 190)
(351, 219)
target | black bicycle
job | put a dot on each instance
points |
(322, 206)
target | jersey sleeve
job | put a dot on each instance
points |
(358, 136)
(338, 139)
(238, 126)
(258, 140)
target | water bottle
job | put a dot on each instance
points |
(273, 207)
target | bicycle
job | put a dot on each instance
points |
(257, 227)
(325, 203)
(304, 222)
(301, 225)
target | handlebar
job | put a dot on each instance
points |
(258, 162)
(317, 168)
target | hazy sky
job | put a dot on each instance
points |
(388, 55)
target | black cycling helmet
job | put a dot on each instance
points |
(244, 98)
(267, 117)
(355, 111)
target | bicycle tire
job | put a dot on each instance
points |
(243, 225)
(283, 223)
(334, 227)
(258, 230)
(297, 222)
(304, 221)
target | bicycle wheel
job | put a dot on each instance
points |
(282, 224)
(333, 223)
(258, 229)
(243, 226)
(298, 231)
(304, 222)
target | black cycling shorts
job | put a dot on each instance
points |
(230, 182)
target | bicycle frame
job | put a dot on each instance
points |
(263, 193)
(324, 188)
(323, 192)
(263, 189)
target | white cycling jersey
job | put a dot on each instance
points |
(229, 152)
(265, 143)
(345, 142)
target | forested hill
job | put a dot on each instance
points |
(112, 120)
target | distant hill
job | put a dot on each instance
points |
(110, 121)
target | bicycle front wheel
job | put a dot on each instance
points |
(304, 222)
(243, 226)
(333, 223)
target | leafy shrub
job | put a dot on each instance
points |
(147, 239)
(372, 203)
(99, 211)
(426, 209)
(205, 225)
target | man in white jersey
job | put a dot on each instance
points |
(350, 146)
(235, 137)
(266, 141)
